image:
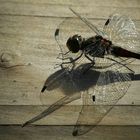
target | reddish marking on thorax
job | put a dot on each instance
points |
(105, 42)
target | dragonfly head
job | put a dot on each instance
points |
(74, 43)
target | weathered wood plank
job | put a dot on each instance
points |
(27, 39)
(25, 85)
(118, 3)
(92, 9)
(65, 132)
(26, 36)
(67, 115)
(31, 41)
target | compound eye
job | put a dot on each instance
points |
(73, 45)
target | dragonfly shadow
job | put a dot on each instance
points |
(71, 84)
(77, 80)
(136, 77)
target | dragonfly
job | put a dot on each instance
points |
(88, 53)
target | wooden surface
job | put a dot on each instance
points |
(27, 40)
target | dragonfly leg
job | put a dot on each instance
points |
(125, 65)
(92, 60)
(72, 61)
(63, 56)
(90, 66)
(64, 63)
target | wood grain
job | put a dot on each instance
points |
(28, 54)
(92, 9)
(67, 115)
(63, 132)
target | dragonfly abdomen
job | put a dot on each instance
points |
(118, 51)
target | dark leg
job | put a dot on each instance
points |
(63, 54)
(120, 64)
(63, 63)
(90, 66)
(92, 60)
(73, 60)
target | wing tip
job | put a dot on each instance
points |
(75, 133)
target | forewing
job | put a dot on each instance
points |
(67, 28)
(122, 32)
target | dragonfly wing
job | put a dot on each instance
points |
(90, 115)
(71, 26)
(52, 108)
(88, 23)
(67, 28)
(122, 32)
(111, 85)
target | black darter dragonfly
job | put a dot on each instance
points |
(109, 52)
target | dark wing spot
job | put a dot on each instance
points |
(93, 98)
(57, 32)
(107, 22)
